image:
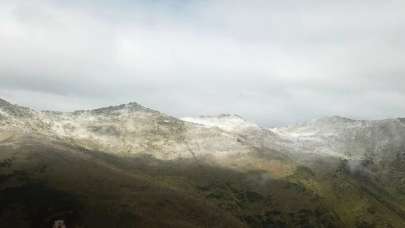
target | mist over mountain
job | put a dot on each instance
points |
(131, 166)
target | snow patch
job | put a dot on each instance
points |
(224, 122)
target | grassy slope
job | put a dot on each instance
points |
(40, 182)
(87, 190)
(357, 201)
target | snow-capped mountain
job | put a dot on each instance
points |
(330, 136)
(124, 130)
(247, 131)
(132, 128)
(347, 138)
(223, 171)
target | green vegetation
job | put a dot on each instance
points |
(42, 181)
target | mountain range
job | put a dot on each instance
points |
(131, 166)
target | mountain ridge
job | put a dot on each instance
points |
(333, 172)
(134, 106)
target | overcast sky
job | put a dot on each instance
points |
(273, 62)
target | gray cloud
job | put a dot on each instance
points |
(274, 62)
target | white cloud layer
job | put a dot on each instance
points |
(274, 62)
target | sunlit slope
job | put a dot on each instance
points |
(128, 166)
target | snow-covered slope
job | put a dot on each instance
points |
(227, 122)
(346, 138)
(124, 130)
(132, 128)
(248, 132)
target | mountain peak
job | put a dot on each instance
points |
(114, 109)
(133, 103)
